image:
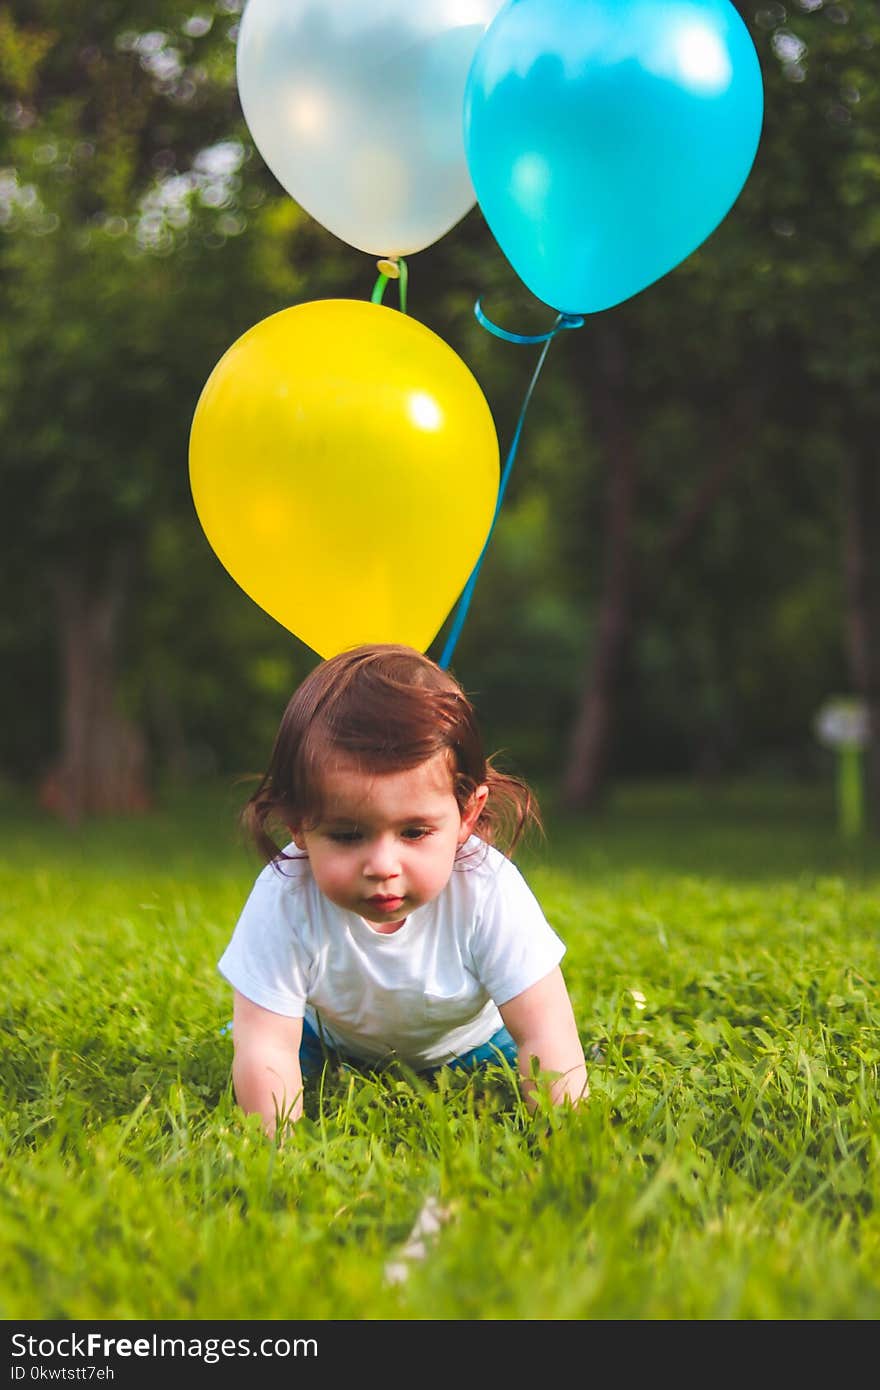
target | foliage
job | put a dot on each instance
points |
(772, 317)
(139, 238)
(140, 234)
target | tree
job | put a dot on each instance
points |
(782, 282)
(660, 591)
(124, 275)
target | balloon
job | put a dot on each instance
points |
(344, 467)
(356, 109)
(606, 139)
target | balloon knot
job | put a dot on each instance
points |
(388, 267)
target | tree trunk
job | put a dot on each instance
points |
(861, 563)
(627, 588)
(102, 763)
(590, 737)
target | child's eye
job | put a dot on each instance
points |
(417, 832)
(344, 837)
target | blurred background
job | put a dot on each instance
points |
(686, 565)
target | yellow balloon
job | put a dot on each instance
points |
(344, 467)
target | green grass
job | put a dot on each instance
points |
(723, 961)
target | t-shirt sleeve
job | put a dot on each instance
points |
(513, 945)
(267, 959)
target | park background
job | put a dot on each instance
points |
(684, 571)
(685, 567)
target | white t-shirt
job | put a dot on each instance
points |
(425, 993)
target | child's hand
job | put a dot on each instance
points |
(542, 1023)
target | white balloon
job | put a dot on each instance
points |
(357, 109)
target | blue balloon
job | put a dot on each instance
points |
(606, 139)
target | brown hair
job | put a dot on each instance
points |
(390, 708)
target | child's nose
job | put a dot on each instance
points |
(381, 859)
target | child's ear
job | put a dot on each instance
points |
(472, 812)
(297, 836)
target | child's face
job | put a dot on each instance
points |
(387, 842)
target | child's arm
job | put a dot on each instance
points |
(542, 1024)
(265, 1069)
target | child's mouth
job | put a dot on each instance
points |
(385, 903)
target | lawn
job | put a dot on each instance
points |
(723, 958)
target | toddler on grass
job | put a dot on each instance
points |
(391, 926)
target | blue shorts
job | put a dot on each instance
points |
(313, 1053)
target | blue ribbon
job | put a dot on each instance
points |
(563, 321)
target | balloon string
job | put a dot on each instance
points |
(391, 270)
(402, 283)
(563, 321)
